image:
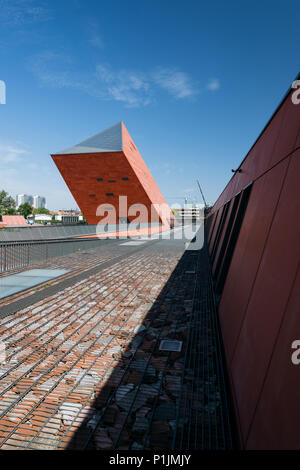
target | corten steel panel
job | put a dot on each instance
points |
(208, 222)
(247, 255)
(269, 297)
(259, 159)
(277, 418)
(211, 225)
(81, 170)
(228, 233)
(298, 137)
(219, 230)
(289, 130)
(214, 233)
(222, 237)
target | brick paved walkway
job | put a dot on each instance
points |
(83, 367)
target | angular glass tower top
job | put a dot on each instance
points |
(109, 140)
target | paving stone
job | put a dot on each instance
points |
(139, 329)
(69, 314)
(122, 391)
(47, 385)
(141, 366)
(44, 443)
(136, 342)
(69, 411)
(137, 446)
(109, 416)
(102, 439)
(150, 390)
(165, 412)
(132, 401)
(94, 420)
(141, 425)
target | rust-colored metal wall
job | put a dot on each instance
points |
(259, 308)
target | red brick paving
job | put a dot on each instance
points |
(83, 367)
(61, 350)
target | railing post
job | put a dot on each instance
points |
(4, 264)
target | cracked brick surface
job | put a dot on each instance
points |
(84, 370)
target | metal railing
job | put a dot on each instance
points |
(18, 254)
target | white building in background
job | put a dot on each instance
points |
(190, 211)
(68, 219)
(39, 201)
(21, 198)
(42, 218)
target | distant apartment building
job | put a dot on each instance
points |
(190, 211)
(66, 219)
(22, 198)
(39, 201)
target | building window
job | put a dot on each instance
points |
(109, 194)
(92, 195)
(99, 179)
(125, 179)
(111, 181)
(132, 145)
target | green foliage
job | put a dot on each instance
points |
(25, 209)
(41, 210)
(11, 211)
(7, 203)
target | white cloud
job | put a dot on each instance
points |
(213, 84)
(134, 88)
(51, 69)
(175, 82)
(21, 12)
(127, 86)
(11, 154)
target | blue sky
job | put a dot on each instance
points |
(194, 82)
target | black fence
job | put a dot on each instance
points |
(20, 254)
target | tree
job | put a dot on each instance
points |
(7, 203)
(41, 210)
(11, 211)
(25, 209)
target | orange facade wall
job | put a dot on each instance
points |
(259, 305)
(81, 172)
